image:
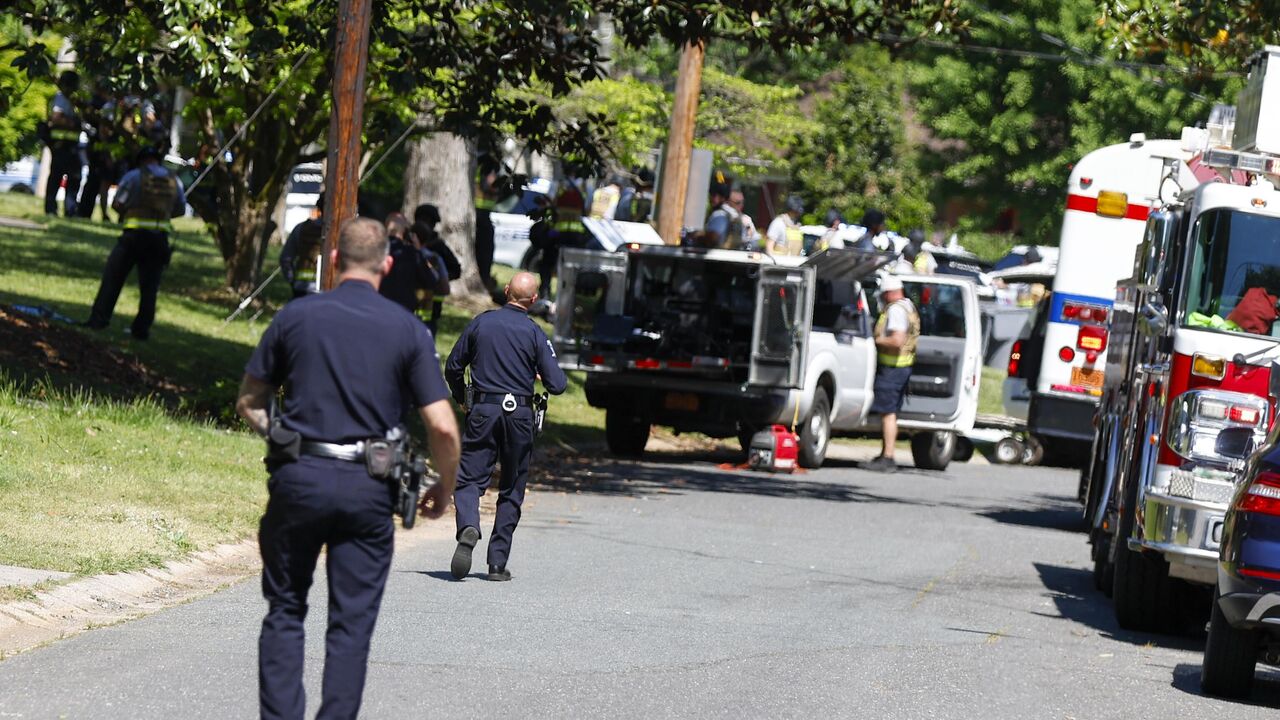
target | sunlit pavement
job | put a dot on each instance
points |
(672, 588)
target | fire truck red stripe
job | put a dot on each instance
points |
(1084, 203)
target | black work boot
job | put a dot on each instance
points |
(461, 564)
(498, 574)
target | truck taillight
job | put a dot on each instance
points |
(1092, 337)
(1262, 496)
(1015, 358)
(1085, 313)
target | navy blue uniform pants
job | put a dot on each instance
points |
(493, 436)
(315, 503)
(147, 250)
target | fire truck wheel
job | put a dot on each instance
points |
(625, 434)
(1009, 451)
(1144, 595)
(933, 450)
(964, 449)
(1230, 656)
(816, 432)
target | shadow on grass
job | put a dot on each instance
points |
(1075, 598)
(197, 373)
(1266, 685)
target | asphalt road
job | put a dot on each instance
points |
(674, 589)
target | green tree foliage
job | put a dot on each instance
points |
(1007, 128)
(857, 157)
(439, 59)
(1209, 36)
(27, 103)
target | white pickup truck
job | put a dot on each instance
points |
(725, 343)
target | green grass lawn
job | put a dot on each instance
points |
(94, 478)
(991, 391)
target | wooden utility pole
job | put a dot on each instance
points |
(342, 171)
(674, 185)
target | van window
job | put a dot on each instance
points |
(941, 308)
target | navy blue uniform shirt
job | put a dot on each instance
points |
(351, 362)
(506, 350)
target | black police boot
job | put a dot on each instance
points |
(498, 574)
(461, 564)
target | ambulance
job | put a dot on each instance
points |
(1109, 195)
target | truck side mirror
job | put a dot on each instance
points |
(1153, 317)
(1235, 443)
(1162, 227)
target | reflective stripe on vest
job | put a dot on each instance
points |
(146, 224)
(483, 203)
(65, 135)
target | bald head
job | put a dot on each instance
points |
(523, 289)
(362, 246)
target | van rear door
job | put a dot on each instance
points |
(780, 335)
(944, 380)
(590, 298)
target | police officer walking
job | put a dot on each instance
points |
(506, 352)
(351, 363)
(147, 197)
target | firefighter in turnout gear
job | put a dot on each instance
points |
(896, 335)
(300, 257)
(146, 198)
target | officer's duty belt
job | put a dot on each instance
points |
(497, 398)
(350, 453)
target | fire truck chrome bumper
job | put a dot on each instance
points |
(1184, 530)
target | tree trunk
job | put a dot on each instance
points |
(439, 172)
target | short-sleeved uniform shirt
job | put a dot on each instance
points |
(351, 361)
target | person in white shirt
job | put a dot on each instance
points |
(784, 236)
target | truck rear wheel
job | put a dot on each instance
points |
(933, 450)
(816, 433)
(625, 434)
(1230, 656)
(1144, 595)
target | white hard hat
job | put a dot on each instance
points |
(887, 283)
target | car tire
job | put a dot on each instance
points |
(1032, 451)
(933, 450)
(1009, 451)
(1230, 656)
(531, 260)
(815, 435)
(964, 449)
(745, 434)
(625, 434)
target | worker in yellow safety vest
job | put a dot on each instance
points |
(896, 334)
(784, 236)
(62, 135)
(146, 198)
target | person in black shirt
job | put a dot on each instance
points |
(507, 352)
(350, 363)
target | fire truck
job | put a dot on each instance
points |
(1192, 351)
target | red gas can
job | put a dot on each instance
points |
(774, 449)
